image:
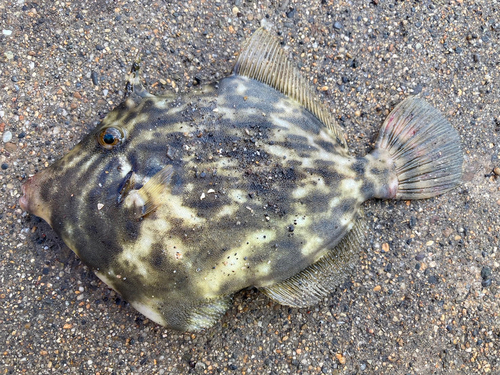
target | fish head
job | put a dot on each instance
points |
(83, 195)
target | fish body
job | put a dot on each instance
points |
(179, 201)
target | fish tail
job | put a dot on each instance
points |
(423, 148)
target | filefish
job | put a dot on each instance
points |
(179, 201)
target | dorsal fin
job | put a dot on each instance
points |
(264, 60)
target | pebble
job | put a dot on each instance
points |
(7, 136)
(7, 32)
(433, 279)
(337, 25)
(486, 283)
(291, 13)
(485, 273)
(95, 78)
(5, 166)
(417, 89)
(10, 147)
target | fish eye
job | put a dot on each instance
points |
(110, 137)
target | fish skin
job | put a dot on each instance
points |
(259, 190)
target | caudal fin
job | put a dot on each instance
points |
(424, 147)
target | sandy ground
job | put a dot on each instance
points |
(425, 296)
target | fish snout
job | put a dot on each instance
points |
(31, 200)
(23, 201)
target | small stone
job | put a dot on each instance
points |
(21, 135)
(419, 257)
(353, 63)
(200, 367)
(476, 58)
(485, 273)
(486, 283)
(10, 147)
(378, 288)
(413, 221)
(14, 79)
(7, 32)
(417, 89)
(291, 13)
(433, 279)
(99, 47)
(95, 78)
(496, 170)
(7, 136)
(341, 358)
(5, 166)
(337, 25)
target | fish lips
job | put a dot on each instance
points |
(31, 201)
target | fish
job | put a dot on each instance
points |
(179, 201)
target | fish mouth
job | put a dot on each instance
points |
(31, 201)
(23, 201)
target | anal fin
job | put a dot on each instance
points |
(311, 285)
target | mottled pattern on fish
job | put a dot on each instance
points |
(232, 185)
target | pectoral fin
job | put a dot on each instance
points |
(151, 195)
